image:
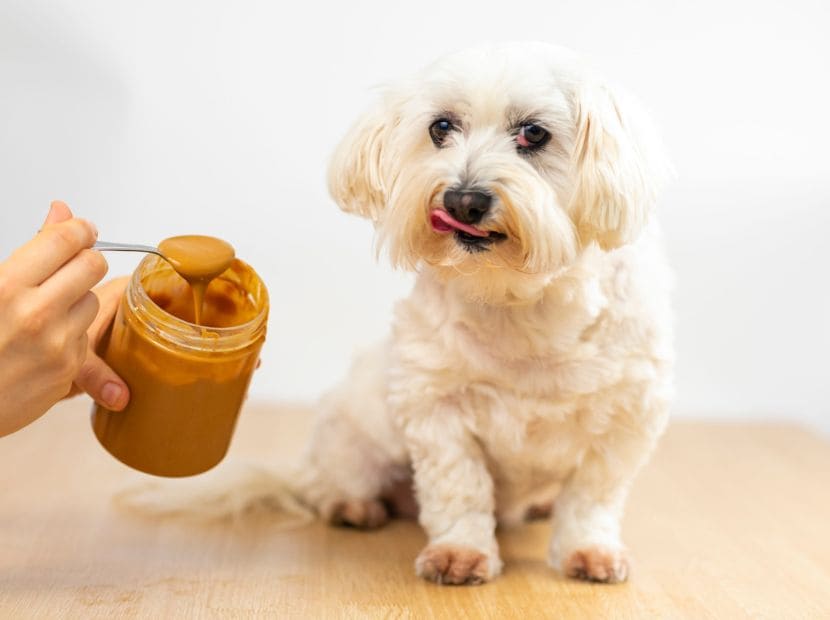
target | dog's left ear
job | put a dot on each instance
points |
(619, 165)
(356, 175)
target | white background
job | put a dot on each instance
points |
(162, 118)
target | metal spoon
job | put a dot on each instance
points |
(106, 246)
(194, 257)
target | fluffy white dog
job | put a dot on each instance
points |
(534, 354)
(533, 358)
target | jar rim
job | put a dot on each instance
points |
(184, 334)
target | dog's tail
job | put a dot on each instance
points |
(228, 492)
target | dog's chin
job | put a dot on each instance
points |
(475, 245)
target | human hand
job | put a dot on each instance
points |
(96, 378)
(46, 307)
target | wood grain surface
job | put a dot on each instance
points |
(727, 521)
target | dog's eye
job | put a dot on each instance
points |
(532, 136)
(439, 131)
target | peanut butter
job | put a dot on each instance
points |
(187, 382)
(198, 259)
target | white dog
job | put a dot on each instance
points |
(533, 358)
(535, 351)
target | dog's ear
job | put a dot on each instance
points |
(356, 175)
(619, 165)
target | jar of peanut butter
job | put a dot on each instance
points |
(187, 382)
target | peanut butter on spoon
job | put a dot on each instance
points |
(198, 259)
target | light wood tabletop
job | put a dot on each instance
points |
(727, 521)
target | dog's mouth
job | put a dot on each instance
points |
(471, 238)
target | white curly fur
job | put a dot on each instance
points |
(542, 363)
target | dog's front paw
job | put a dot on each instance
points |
(359, 513)
(456, 564)
(596, 564)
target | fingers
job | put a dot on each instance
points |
(51, 248)
(109, 296)
(75, 278)
(100, 381)
(96, 378)
(82, 314)
(58, 212)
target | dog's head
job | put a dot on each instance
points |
(509, 159)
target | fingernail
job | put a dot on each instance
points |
(111, 394)
(48, 215)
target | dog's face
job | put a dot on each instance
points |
(509, 158)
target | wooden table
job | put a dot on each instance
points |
(726, 522)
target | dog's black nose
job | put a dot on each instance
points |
(467, 206)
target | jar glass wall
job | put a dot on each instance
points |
(187, 382)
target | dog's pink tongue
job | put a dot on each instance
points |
(444, 222)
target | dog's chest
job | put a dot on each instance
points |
(535, 377)
(534, 414)
(522, 432)
(545, 355)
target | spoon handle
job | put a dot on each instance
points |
(124, 247)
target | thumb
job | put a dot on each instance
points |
(58, 212)
(100, 381)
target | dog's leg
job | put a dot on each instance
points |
(455, 495)
(586, 541)
(355, 453)
(345, 472)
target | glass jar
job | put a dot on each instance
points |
(187, 382)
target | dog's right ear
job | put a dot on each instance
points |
(357, 180)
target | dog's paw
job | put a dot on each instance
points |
(456, 564)
(360, 513)
(597, 564)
